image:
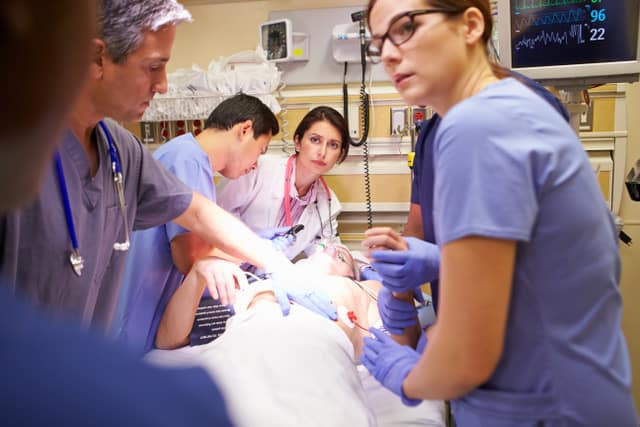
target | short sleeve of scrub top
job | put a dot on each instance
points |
(185, 159)
(483, 184)
(159, 191)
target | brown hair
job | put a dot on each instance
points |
(461, 5)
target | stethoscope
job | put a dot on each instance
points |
(287, 200)
(76, 260)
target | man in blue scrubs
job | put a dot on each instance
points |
(53, 373)
(236, 133)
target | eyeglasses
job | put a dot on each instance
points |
(401, 29)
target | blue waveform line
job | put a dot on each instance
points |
(539, 4)
(568, 17)
(546, 38)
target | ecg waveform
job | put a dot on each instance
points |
(569, 17)
(546, 38)
(538, 4)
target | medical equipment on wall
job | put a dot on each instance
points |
(632, 183)
(573, 46)
(419, 115)
(75, 259)
(345, 42)
(281, 44)
(343, 52)
(349, 45)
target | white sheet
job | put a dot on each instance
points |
(296, 371)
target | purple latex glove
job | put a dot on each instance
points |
(288, 286)
(389, 362)
(396, 314)
(403, 271)
(280, 239)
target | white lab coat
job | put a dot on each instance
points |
(256, 199)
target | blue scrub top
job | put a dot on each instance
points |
(422, 180)
(54, 374)
(509, 167)
(151, 278)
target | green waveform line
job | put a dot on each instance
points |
(538, 4)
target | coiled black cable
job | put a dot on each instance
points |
(364, 116)
(363, 113)
(284, 123)
(364, 108)
(367, 183)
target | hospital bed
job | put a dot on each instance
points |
(270, 379)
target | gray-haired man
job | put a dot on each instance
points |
(53, 373)
(105, 184)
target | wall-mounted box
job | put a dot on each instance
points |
(399, 123)
(281, 44)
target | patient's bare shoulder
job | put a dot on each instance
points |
(374, 285)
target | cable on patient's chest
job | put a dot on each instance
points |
(365, 289)
(348, 317)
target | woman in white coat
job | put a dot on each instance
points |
(321, 140)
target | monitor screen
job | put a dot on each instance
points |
(275, 38)
(570, 42)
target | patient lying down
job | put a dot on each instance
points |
(299, 369)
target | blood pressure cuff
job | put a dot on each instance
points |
(211, 317)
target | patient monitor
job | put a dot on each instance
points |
(570, 44)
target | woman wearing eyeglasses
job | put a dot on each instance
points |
(284, 191)
(528, 330)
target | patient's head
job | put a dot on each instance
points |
(331, 258)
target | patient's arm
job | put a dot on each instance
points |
(177, 320)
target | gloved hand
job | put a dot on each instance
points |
(287, 286)
(403, 271)
(389, 362)
(396, 314)
(278, 236)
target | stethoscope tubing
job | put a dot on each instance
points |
(65, 202)
(76, 258)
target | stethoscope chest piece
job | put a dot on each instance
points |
(77, 263)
